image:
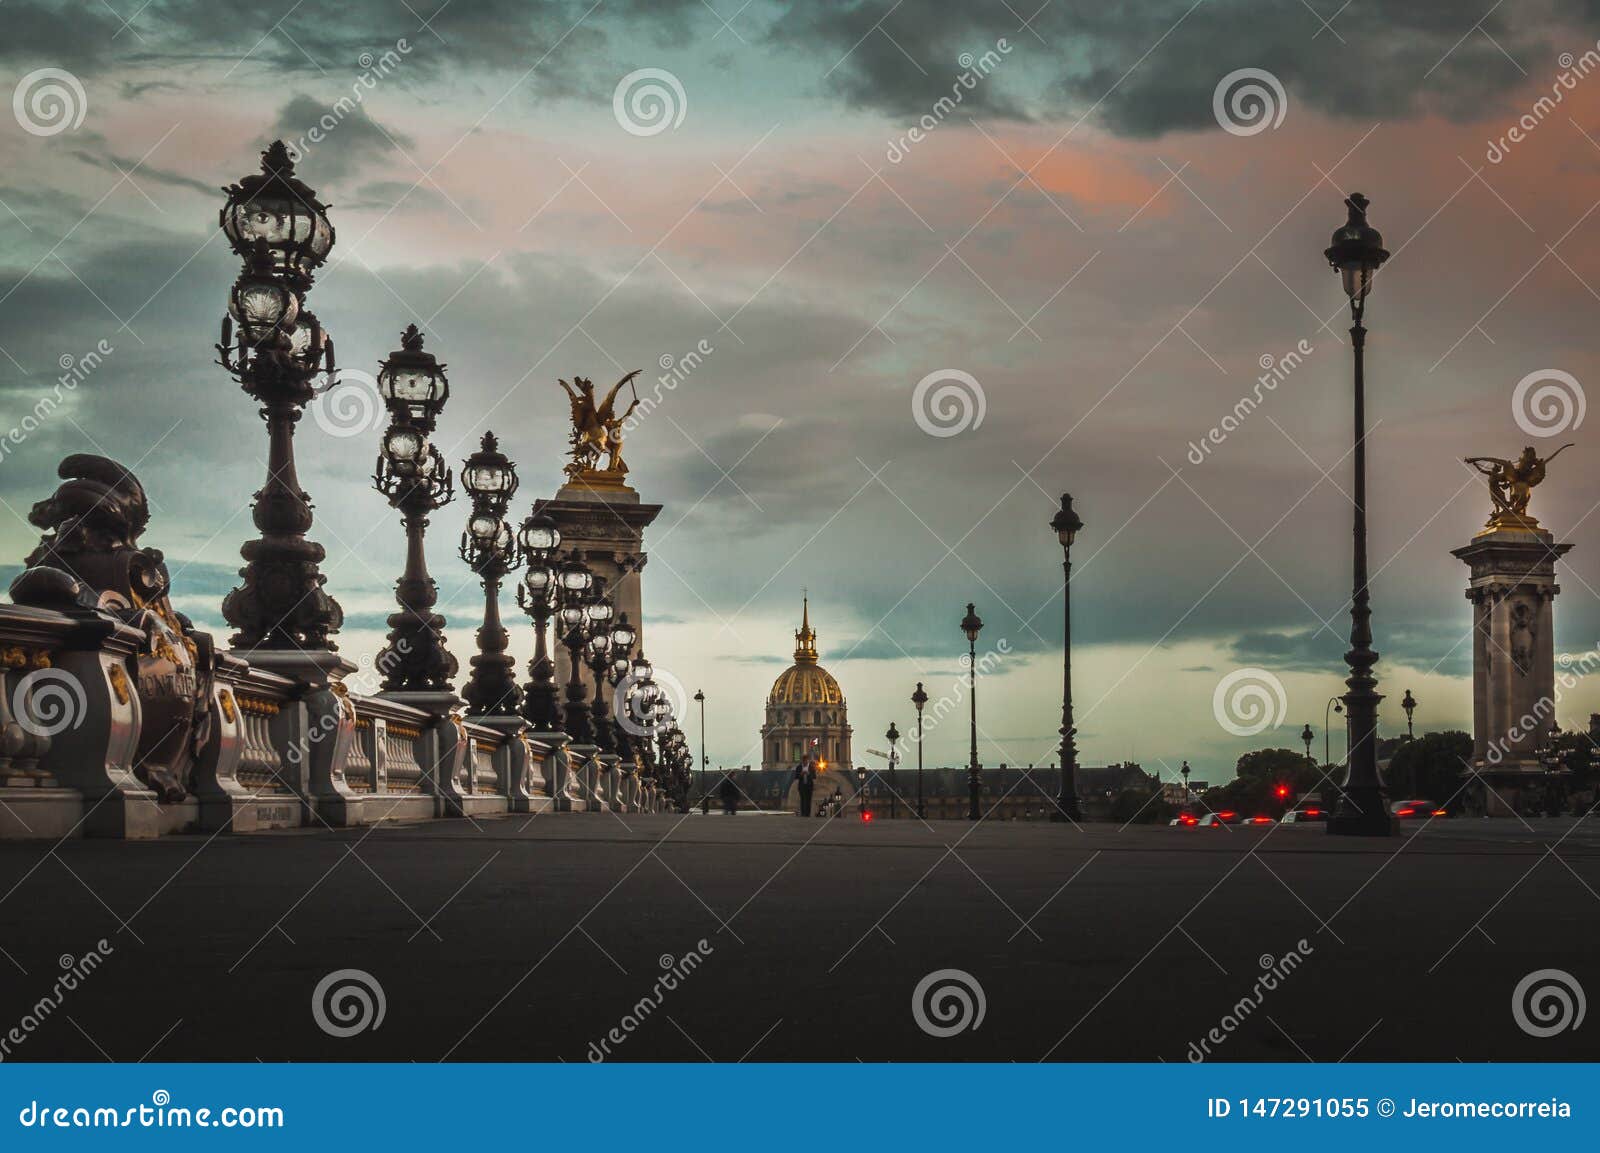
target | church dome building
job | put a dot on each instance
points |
(805, 705)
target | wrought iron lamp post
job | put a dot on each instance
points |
(490, 550)
(623, 636)
(1067, 523)
(893, 737)
(1307, 736)
(275, 349)
(700, 699)
(1184, 773)
(597, 653)
(576, 581)
(919, 699)
(1357, 253)
(1409, 704)
(537, 595)
(972, 625)
(412, 474)
(1337, 706)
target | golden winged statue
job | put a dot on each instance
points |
(1511, 482)
(596, 429)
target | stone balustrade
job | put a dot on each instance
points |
(276, 752)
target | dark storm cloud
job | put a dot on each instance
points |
(1400, 59)
(349, 139)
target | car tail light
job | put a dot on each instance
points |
(1438, 812)
(1261, 820)
(1313, 812)
(1227, 814)
(1406, 812)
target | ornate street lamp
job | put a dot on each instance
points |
(279, 228)
(576, 581)
(1184, 773)
(1067, 523)
(537, 595)
(1409, 704)
(1357, 253)
(623, 636)
(490, 551)
(1308, 736)
(1335, 705)
(412, 475)
(919, 699)
(597, 653)
(971, 625)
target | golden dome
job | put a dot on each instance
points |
(805, 682)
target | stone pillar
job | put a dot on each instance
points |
(602, 523)
(1512, 588)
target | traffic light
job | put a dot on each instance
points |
(1281, 792)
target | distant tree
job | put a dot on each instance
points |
(1430, 767)
(1258, 776)
(1141, 804)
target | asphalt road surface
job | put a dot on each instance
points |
(549, 938)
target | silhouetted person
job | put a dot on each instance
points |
(730, 796)
(805, 775)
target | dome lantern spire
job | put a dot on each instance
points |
(805, 640)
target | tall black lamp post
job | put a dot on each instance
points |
(1409, 704)
(1357, 253)
(919, 699)
(1184, 773)
(700, 699)
(1067, 523)
(1307, 736)
(538, 595)
(412, 475)
(972, 626)
(893, 737)
(576, 580)
(275, 348)
(490, 550)
(623, 636)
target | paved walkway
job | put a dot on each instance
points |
(533, 939)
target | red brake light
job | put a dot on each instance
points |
(1438, 812)
(1406, 812)
(1226, 813)
(866, 814)
(1313, 812)
(1261, 820)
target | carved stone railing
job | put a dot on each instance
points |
(395, 742)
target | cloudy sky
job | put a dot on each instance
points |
(1105, 244)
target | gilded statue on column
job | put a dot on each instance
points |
(597, 432)
(1511, 482)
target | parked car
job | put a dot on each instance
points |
(1305, 815)
(1417, 810)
